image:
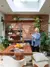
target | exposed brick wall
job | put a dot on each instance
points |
(28, 26)
(44, 23)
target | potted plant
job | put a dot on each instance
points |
(5, 42)
(2, 47)
(48, 46)
(45, 43)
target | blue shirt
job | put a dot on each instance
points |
(36, 39)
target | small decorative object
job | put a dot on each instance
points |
(10, 33)
(17, 18)
(10, 27)
(2, 19)
(14, 18)
(18, 33)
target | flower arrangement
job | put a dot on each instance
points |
(18, 45)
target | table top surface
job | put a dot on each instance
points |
(27, 50)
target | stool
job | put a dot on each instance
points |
(40, 64)
(39, 60)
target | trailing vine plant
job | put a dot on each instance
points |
(37, 22)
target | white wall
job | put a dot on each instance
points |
(49, 27)
(2, 32)
(49, 18)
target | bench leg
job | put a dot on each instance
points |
(47, 65)
(23, 66)
(35, 65)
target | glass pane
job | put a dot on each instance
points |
(48, 33)
(29, 0)
(48, 27)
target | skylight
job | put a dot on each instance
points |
(29, 0)
(25, 5)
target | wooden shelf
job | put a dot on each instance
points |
(26, 21)
(17, 30)
(12, 21)
(13, 30)
(16, 21)
(25, 40)
(15, 41)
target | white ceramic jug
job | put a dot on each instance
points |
(8, 61)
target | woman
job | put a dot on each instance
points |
(36, 40)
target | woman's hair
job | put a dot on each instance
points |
(36, 29)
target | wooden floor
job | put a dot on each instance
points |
(29, 65)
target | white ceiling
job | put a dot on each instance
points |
(26, 5)
(4, 7)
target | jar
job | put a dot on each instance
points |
(19, 53)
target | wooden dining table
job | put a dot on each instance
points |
(19, 55)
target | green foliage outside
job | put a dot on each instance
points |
(45, 42)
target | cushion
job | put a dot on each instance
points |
(39, 57)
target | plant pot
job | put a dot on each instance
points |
(48, 53)
(5, 45)
(45, 53)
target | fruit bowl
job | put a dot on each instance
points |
(18, 46)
